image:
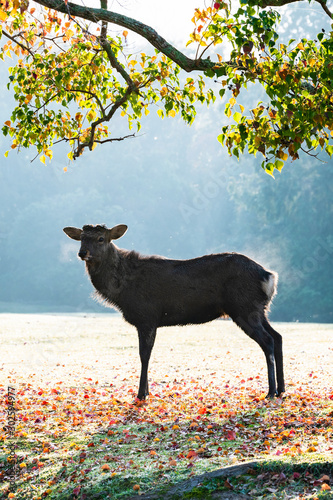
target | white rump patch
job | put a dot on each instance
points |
(269, 286)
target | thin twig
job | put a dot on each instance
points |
(23, 47)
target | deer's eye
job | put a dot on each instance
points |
(101, 239)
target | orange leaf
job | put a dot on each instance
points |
(191, 454)
(105, 467)
(231, 435)
(136, 487)
(325, 487)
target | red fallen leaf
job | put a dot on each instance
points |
(90, 445)
(231, 435)
(38, 421)
(44, 403)
(76, 491)
(296, 475)
(228, 485)
(191, 454)
(282, 477)
(202, 411)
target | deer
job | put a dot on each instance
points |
(155, 291)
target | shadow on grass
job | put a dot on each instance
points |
(123, 464)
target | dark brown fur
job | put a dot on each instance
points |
(154, 291)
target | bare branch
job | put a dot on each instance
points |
(281, 3)
(323, 3)
(113, 139)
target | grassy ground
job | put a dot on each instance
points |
(79, 435)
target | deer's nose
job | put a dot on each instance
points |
(83, 254)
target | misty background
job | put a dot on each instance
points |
(181, 195)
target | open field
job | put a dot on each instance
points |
(78, 433)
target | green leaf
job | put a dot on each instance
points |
(237, 117)
(329, 150)
(269, 168)
(278, 165)
(220, 138)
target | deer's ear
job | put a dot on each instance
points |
(117, 231)
(73, 232)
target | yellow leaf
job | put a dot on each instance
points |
(91, 115)
(69, 33)
(220, 58)
(42, 159)
(232, 101)
(48, 153)
(241, 108)
(300, 46)
(3, 15)
(229, 113)
(125, 34)
(28, 99)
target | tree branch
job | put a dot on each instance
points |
(323, 3)
(95, 15)
(280, 3)
(13, 39)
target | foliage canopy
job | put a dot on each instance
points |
(71, 77)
